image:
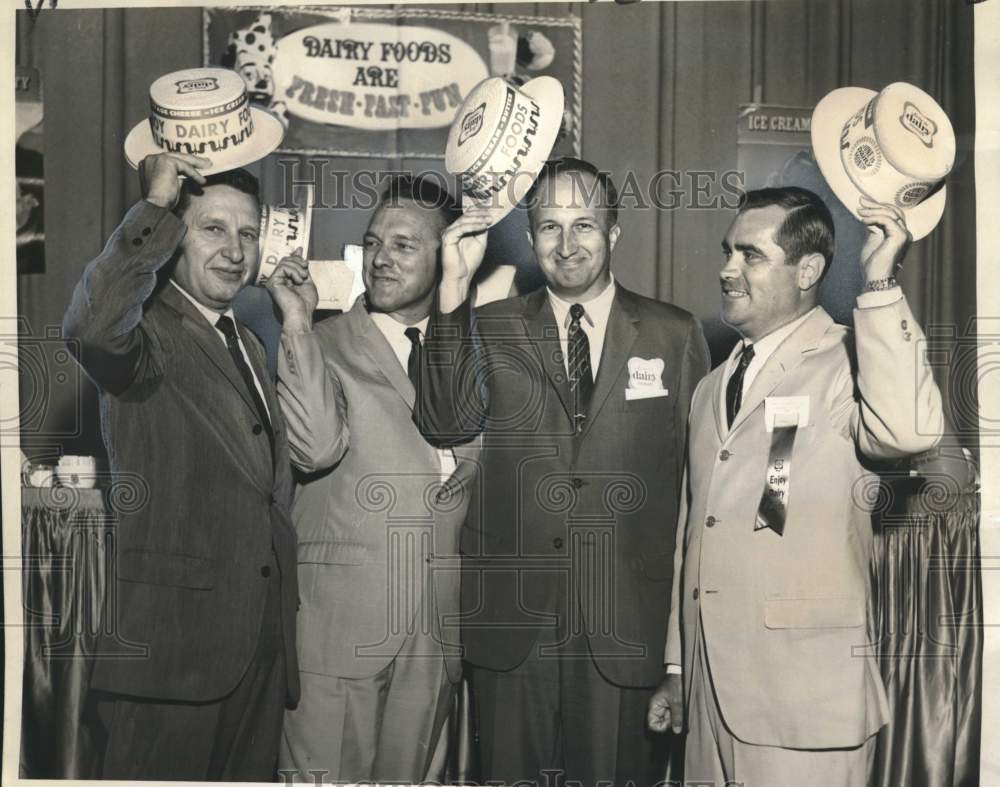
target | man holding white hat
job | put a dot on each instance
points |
(768, 657)
(580, 390)
(198, 659)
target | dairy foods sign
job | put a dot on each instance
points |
(375, 76)
(385, 83)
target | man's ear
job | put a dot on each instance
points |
(810, 270)
(613, 234)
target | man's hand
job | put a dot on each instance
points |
(887, 242)
(463, 246)
(294, 293)
(160, 176)
(666, 706)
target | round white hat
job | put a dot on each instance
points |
(895, 147)
(205, 112)
(500, 139)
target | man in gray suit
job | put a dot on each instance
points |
(378, 512)
(206, 569)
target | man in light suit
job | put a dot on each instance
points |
(199, 658)
(580, 390)
(377, 513)
(767, 647)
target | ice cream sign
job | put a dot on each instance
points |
(375, 76)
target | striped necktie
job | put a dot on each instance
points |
(581, 380)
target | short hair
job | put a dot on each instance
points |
(568, 165)
(425, 192)
(239, 179)
(808, 225)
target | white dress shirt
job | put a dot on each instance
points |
(395, 333)
(594, 323)
(213, 317)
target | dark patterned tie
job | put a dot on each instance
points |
(228, 328)
(734, 389)
(413, 362)
(581, 381)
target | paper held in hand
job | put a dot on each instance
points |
(339, 282)
(283, 230)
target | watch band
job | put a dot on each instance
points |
(881, 284)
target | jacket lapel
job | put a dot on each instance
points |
(541, 324)
(370, 338)
(208, 340)
(623, 322)
(789, 354)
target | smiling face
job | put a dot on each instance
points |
(571, 240)
(401, 260)
(219, 253)
(761, 291)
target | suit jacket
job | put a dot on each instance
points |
(377, 549)
(189, 597)
(567, 529)
(784, 617)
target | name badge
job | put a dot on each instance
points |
(782, 411)
(645, 378)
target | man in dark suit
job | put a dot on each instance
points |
(205, 597)
(580, 390)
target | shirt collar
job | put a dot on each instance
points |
(209, 314)
(596, 309)
(764, 347)
(393, 327)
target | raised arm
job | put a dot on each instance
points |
(898, 409)
(311, 396)
(101, 325)
(452, 402)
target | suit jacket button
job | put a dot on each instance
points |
(694, 594)
(257, 429)
(137, 241)
(710, 522)
(265, 571)
(557, 543)
(146, 231)
(724, 455)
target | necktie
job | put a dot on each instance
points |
(228, 328)
(413, 362)
(581, 381)
(734, 389)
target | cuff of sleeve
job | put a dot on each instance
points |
(460, 318)
(293, 347)
(872, 300)
(674, 669)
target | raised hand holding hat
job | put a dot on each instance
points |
(500, 139)
(894, 147)
(204, 112)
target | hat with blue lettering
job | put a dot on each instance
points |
(500, 139)
(895, 147)
(205, 112)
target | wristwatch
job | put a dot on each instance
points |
(881, 284)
